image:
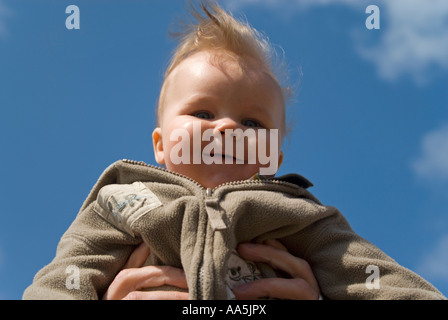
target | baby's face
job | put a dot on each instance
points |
(202, 100)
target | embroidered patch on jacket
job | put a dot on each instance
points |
(240, 272)
(122, 204)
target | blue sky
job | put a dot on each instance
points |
(370, 115)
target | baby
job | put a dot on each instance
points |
(221, 120)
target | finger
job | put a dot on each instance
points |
(293, 289)
(138, 257)
(157, 295)
(276, 244)
(134, 279)
(279, 259)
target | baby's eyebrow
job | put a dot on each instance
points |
(200, 99)
(259, 112)
(259, 109)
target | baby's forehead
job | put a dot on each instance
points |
(230, 63)
(213, 72)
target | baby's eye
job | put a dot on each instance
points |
(203, 115)
(251, 123)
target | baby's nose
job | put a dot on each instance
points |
(226, 123)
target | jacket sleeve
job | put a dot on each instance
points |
(349, 267)
(88, 257)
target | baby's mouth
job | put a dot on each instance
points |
(226, 156)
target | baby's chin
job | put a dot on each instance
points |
(211, 176)
(215, 181)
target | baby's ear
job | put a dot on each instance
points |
(158, 146)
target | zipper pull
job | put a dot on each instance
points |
(214, 212)
(209, 192)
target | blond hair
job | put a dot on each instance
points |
(217, 30)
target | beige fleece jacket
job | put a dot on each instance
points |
(189, 227)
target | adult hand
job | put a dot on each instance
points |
(129, 282)
(133, 278)
(301, 286)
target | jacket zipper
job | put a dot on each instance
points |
(212, 190)
(208, 193)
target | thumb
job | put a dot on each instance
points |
(138, 256)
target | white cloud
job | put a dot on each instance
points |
(433, 162)
(413, 34)
(414, 40)
(435, 264)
